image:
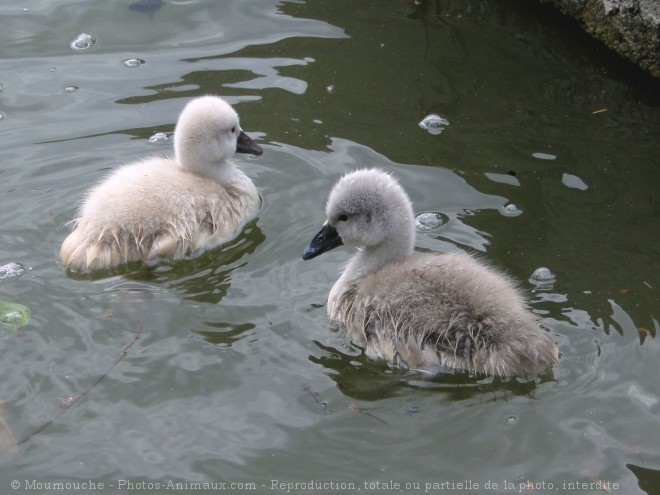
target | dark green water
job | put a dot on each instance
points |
(236, 376)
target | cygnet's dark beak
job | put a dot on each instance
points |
(324, 241)
(246, 145)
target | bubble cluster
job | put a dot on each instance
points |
(84, 41)
(543, 278)
(10, 270)
(510, 210)
(434, 124)
(161, 137)
(133, 62)
(429, 220)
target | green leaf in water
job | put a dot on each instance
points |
(14, 315)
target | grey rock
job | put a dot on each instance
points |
(631, 28)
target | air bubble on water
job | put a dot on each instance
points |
(543, 278)
(434, 124)
(133, 62)
(71, 89)
(512, 420)
(543, 274)
(330, 88)
(544, 156)
(10, 270)
(510, 210)
(160, 137)
(429, 220)
(83, 42)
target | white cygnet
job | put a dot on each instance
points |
(437, 312)
(163, 208)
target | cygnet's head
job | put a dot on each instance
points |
(366, 209)
(208, 133)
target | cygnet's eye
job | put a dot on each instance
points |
(342, 218)
(233, 130)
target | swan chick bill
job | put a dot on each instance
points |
(164, 208)
(422, 311)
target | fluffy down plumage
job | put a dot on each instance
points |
(169, 207)
(422, 311)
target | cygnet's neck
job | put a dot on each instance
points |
(220, 170)
(370, 259)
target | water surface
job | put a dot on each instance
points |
(233, 373)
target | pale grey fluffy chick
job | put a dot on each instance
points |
(422, 311)
(169, 207)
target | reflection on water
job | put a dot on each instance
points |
(237, 375)
(224, 334)
(212, 268)
(363, 379)
(207, 277)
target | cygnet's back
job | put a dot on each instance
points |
(422, 311)
(169, 207)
